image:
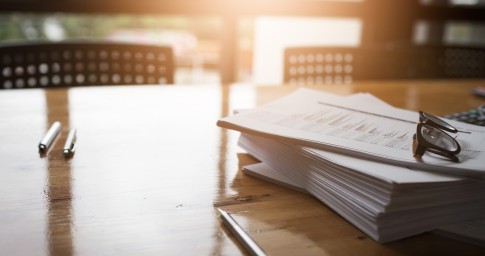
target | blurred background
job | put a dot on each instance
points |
(243, 41)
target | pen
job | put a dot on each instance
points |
(49, 136)
(252, 247)
(69, 145)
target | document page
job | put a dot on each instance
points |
(356, 127)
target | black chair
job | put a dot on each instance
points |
(434, 62)
(462, 62)
(41, 65)
(317, 65)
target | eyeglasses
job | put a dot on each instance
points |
(431, 136)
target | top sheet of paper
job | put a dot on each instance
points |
(357, 127)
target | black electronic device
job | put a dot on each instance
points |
(474, 116)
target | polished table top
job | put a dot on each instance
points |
(151, 165)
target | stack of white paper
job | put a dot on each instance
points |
(354, 155)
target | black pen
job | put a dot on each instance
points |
(69, 145)
(252, 247)
(49, 136)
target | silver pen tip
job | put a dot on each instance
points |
(66, 152)
(42, 147)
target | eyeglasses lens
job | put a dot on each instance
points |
(439, 138)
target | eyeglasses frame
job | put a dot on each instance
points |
(421, 145)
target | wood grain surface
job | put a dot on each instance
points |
(151, 166)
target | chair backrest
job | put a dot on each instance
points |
(424, 62)
(42, 65)
(462, 62)
(316, 65)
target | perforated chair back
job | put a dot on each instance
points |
(83, 64)
(425, 62)
(317, 65)
(461, 62)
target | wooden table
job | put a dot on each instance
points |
(151, 164)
